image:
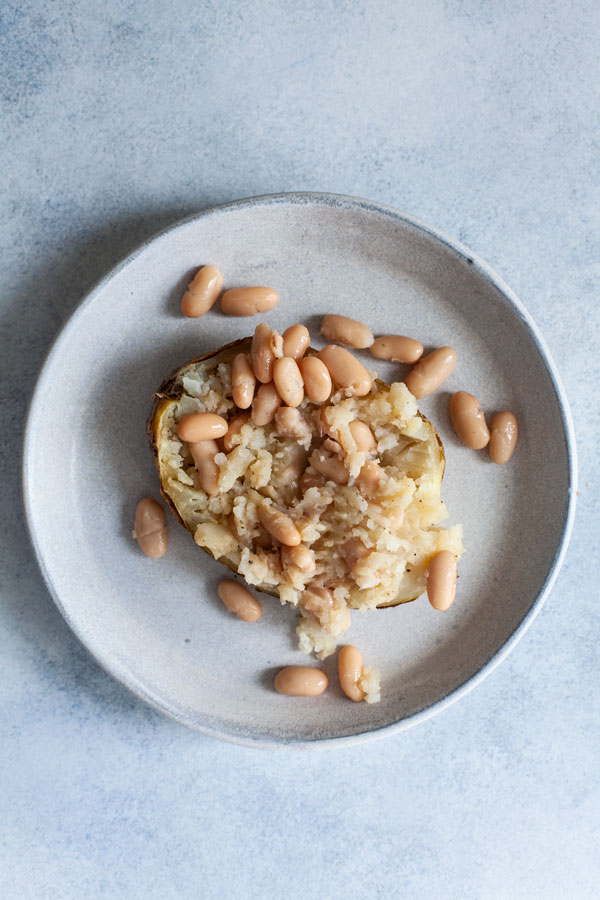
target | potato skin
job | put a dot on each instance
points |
(169, 393)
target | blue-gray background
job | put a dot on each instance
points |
(481, 118)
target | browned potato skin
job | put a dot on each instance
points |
(167, 393)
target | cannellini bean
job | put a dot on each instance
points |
(279, 525)
(369, 477)
(266, 347)
(300, 681)
(296, 341)
(235, 426)
(397, 348)
(240, 601)
(430, 372)
(201, 427)
(349, 332)
(288, 381)
(202, 292)
(346, 370)
(265, 404)
(354, 550)
(468, 420)
(248, 301)
(150, 528)
(362, 434)
(243, 381)
(203, 454)
(332, 467)
(317, 380)
(300, 557)
(441, 579)
(350, 666)
(504, 434)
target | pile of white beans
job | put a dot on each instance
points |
(277, 373)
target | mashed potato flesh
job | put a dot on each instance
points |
(396, 528)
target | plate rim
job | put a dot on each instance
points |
(489, 274)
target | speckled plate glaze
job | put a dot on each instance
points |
(157, 625)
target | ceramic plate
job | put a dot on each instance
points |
(157, 625)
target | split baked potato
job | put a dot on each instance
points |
(370, 547)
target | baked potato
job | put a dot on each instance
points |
(370, 546)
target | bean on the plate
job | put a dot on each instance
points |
(150, 528)
(504, 433)
(468, 420)
(350, 666)
(430, 372)
(248, 301)
(300, 681)
(202, 292)
(349, 332)
(239, 601)
(396, 348)
(441, 580)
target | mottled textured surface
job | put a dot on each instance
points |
(121, 118)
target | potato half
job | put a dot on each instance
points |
(399, 525)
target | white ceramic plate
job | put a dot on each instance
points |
(157, 625)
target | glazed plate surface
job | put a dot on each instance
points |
(157, 625)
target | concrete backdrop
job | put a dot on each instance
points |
(119, 118)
